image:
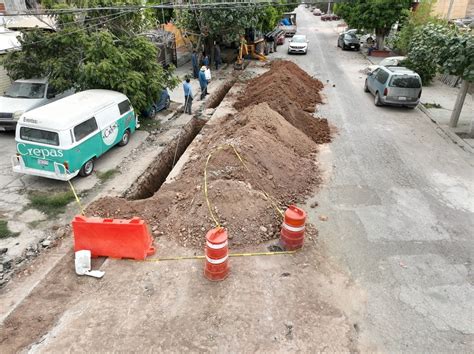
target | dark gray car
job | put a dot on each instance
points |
(348, 40)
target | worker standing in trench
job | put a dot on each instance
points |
(203, 82)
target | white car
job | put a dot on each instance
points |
(389, 61)
(298, 44)
(23, 96)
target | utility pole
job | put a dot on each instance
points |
(453, 122)
(450, 8)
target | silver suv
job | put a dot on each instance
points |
(396, 86)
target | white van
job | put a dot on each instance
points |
(62, 139)
(25, 95)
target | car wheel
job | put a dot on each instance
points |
(152, 112)
(377, 99)
(168, 103)
(87, 168)
(125, 138)
(366, 88)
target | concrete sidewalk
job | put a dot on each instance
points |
(438, 93)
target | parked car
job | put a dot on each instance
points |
(298, 44)
(24, 95)
(348, 40)
(317, 12)
(389, 61)
(326, 17)
(63, 139)
(397, 86)
(163, 103)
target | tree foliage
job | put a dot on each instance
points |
(421, 16)
(228, 23)
(378, 15)
(102, 50)
(441, 47)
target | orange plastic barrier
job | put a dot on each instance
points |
(217, 255)
(116, 238)
(292, 230)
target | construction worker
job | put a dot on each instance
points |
(203, 82)
(205, 61)
(217, 55)
(188, 96)
(194, 60)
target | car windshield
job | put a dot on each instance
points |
(405, 82)
(350, 36)
(39, 136)
(299, 39)
(26, 90)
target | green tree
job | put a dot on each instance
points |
(378, 15)
(410, 23)
(98, 51)
(449, 51)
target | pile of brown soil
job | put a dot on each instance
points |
(280, 159)
(290, 91)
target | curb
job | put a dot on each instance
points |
(450, 134)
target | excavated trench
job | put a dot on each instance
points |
(150, 182)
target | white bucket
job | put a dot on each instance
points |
(83, 262)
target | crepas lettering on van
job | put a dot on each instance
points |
(109, 134)
(37, 152)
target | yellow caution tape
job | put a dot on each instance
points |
(253, 254)
(77, 198)
(261, 191)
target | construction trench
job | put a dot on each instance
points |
(271, 126)
(269, 121)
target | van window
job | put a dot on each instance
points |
(405, 82)
(85, 128)
(39, 136)
(124, 107)
(382, 76)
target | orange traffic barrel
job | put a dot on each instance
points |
(217, 255)
(292, 230)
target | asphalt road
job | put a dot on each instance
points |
(400, 203)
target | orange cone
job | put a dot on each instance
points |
(292, 230)
(217, 255)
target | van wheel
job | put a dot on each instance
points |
(152, 112)
(366, 88)
(377, 99)
(168, 103)
(87, 168)
(125, 138)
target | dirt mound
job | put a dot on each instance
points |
(290, 91)
(280, 161)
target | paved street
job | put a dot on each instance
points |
(400, 202)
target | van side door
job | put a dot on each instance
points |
(87, 142)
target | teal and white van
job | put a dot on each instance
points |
(63, 139)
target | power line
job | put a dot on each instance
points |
(188, 6)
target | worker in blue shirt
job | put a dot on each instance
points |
(194, 60)
(188, 96)
(205, 61)
(203, 82)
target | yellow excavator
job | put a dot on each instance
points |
(250, 45)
